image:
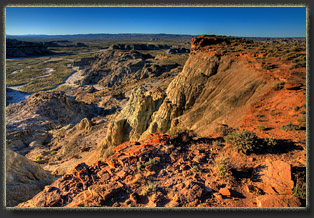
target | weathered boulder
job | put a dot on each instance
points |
(278, 201)
(277, 174)
(293, 86)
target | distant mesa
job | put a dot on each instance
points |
(64, 43)
(16, 48)
(80, 44)
(138, 47)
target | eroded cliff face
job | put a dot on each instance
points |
(211, 86)
(208, 88)
(134, 119)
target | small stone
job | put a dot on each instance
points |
(163, 172)
(116, 204)
(250, 188)
(225, 192)
(135, 197)
(217, 196)
(48, 188)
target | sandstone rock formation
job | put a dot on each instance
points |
(24, 178)
(201, 95)
(205, 92)
(134, 119)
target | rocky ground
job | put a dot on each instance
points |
(224, 126)
(160, 171)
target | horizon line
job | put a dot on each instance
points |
(75, 34)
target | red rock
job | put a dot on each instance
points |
(225, 192)
(277, 174)
(292, 86)
(278, 201)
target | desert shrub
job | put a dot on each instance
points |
(300, 61)
(303, 112)
(216, 143)
(299, 65)
(299, 189)
(150, 187)
(261, 127)
(279, 86)
(140, 166)
(181, 135)
(63, 88)
(268, 66)
(269, 143)
(258, 115)
(243, 141)
(260, 120)
(223, 165)
(197, 168)
(303, 105)
(290, 56)
(224, 130)
(290, 127)
(296, 108)
(302, 121)
(53, 152)
(151, 161)
(39, 157)
(296, 48)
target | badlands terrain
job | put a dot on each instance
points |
(156, 121)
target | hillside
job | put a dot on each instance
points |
(224, 126)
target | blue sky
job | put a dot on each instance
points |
(234, 21)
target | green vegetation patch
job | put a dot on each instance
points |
(261, 127)
(243, 141)
(279, 86)
(36, 74)
(150, 187)
(290, 127)
(223, 165)
(39, 157)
